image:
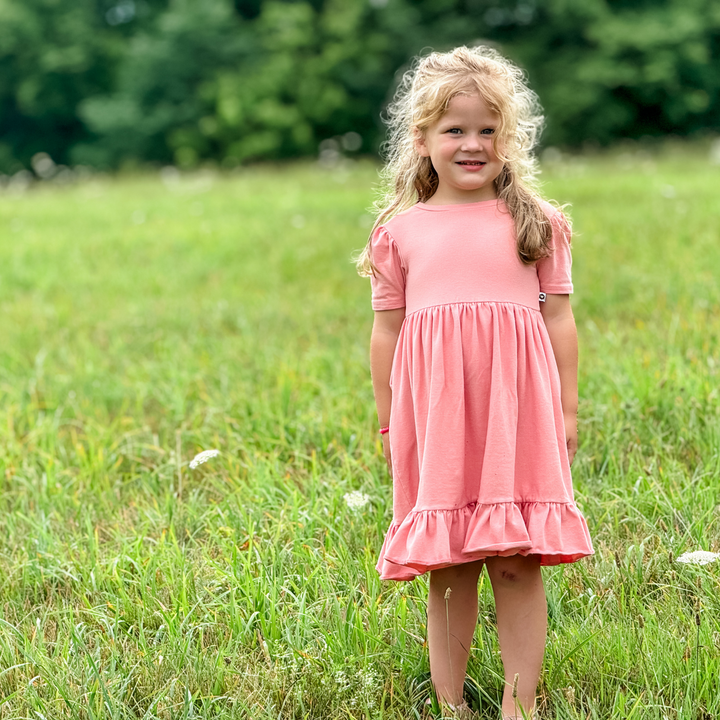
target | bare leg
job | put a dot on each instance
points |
(450, 644)
(521, 611)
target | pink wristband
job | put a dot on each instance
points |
(384, 430)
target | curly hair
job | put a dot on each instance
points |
(420, 101)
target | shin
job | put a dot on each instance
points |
(452, 616)
(521, 611)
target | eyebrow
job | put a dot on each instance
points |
(459, 123)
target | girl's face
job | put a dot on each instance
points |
(460, 148)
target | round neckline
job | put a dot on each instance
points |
(477, 204)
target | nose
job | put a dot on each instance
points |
(471, 143)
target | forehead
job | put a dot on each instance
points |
(469, 106)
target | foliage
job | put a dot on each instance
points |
(149, 319)
(52, 55)
(607, 70)
(193, 81)
(161, 94)
(106, 82)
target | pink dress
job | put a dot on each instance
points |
(479, 460)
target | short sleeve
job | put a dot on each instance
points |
(554, 272)
(388, 281)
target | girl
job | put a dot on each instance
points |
(474, 363)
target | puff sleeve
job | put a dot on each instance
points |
(388, 282)
(554, 272)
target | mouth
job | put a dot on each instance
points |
(471, 163)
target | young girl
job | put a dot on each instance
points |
(474, 363)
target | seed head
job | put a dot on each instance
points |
(203, 457)
(356, 500)
(699, 557)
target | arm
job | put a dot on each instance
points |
(386, 329)
(560, 323)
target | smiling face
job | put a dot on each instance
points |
(460, 147)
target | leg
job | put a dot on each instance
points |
(521, 611)
(449, 643)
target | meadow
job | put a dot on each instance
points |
(147, 318)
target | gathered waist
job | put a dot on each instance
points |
(508, 304)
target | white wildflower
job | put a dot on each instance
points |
(202, 457)
(356, 500)
(699, 557)
(370, 680)
(367, 687)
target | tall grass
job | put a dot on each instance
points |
(145, 320)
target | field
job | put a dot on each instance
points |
(148, 318)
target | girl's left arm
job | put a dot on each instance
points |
(560, 323)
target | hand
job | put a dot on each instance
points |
(386, 451)
(571, 434)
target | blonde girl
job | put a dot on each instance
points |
(474, 363)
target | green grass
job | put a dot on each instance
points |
(145, 321)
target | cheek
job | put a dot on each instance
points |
(447, 148)
(490, 148)
(499, 149)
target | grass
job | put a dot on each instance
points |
(146, 319)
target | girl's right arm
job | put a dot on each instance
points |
(385, 332)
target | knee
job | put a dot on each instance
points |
(455, 577)
(514, 571)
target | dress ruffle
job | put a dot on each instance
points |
(429, 539)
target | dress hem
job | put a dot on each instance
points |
(432, 539)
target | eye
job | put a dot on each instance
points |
(454, 131)
(488, 131)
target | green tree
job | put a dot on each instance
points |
(606, 70)
(163, 89)
(52, 55)
(109, 81)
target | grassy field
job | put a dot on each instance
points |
(148, 318)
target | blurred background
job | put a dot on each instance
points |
(109, 84)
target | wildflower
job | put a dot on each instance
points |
(356, 500)
(369, 680)
(202, 457)
(699, 557)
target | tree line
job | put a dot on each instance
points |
(106, 82)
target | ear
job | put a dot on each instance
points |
(420, 144)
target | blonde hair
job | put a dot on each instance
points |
(420, 101)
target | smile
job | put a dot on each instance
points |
(471, 163)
